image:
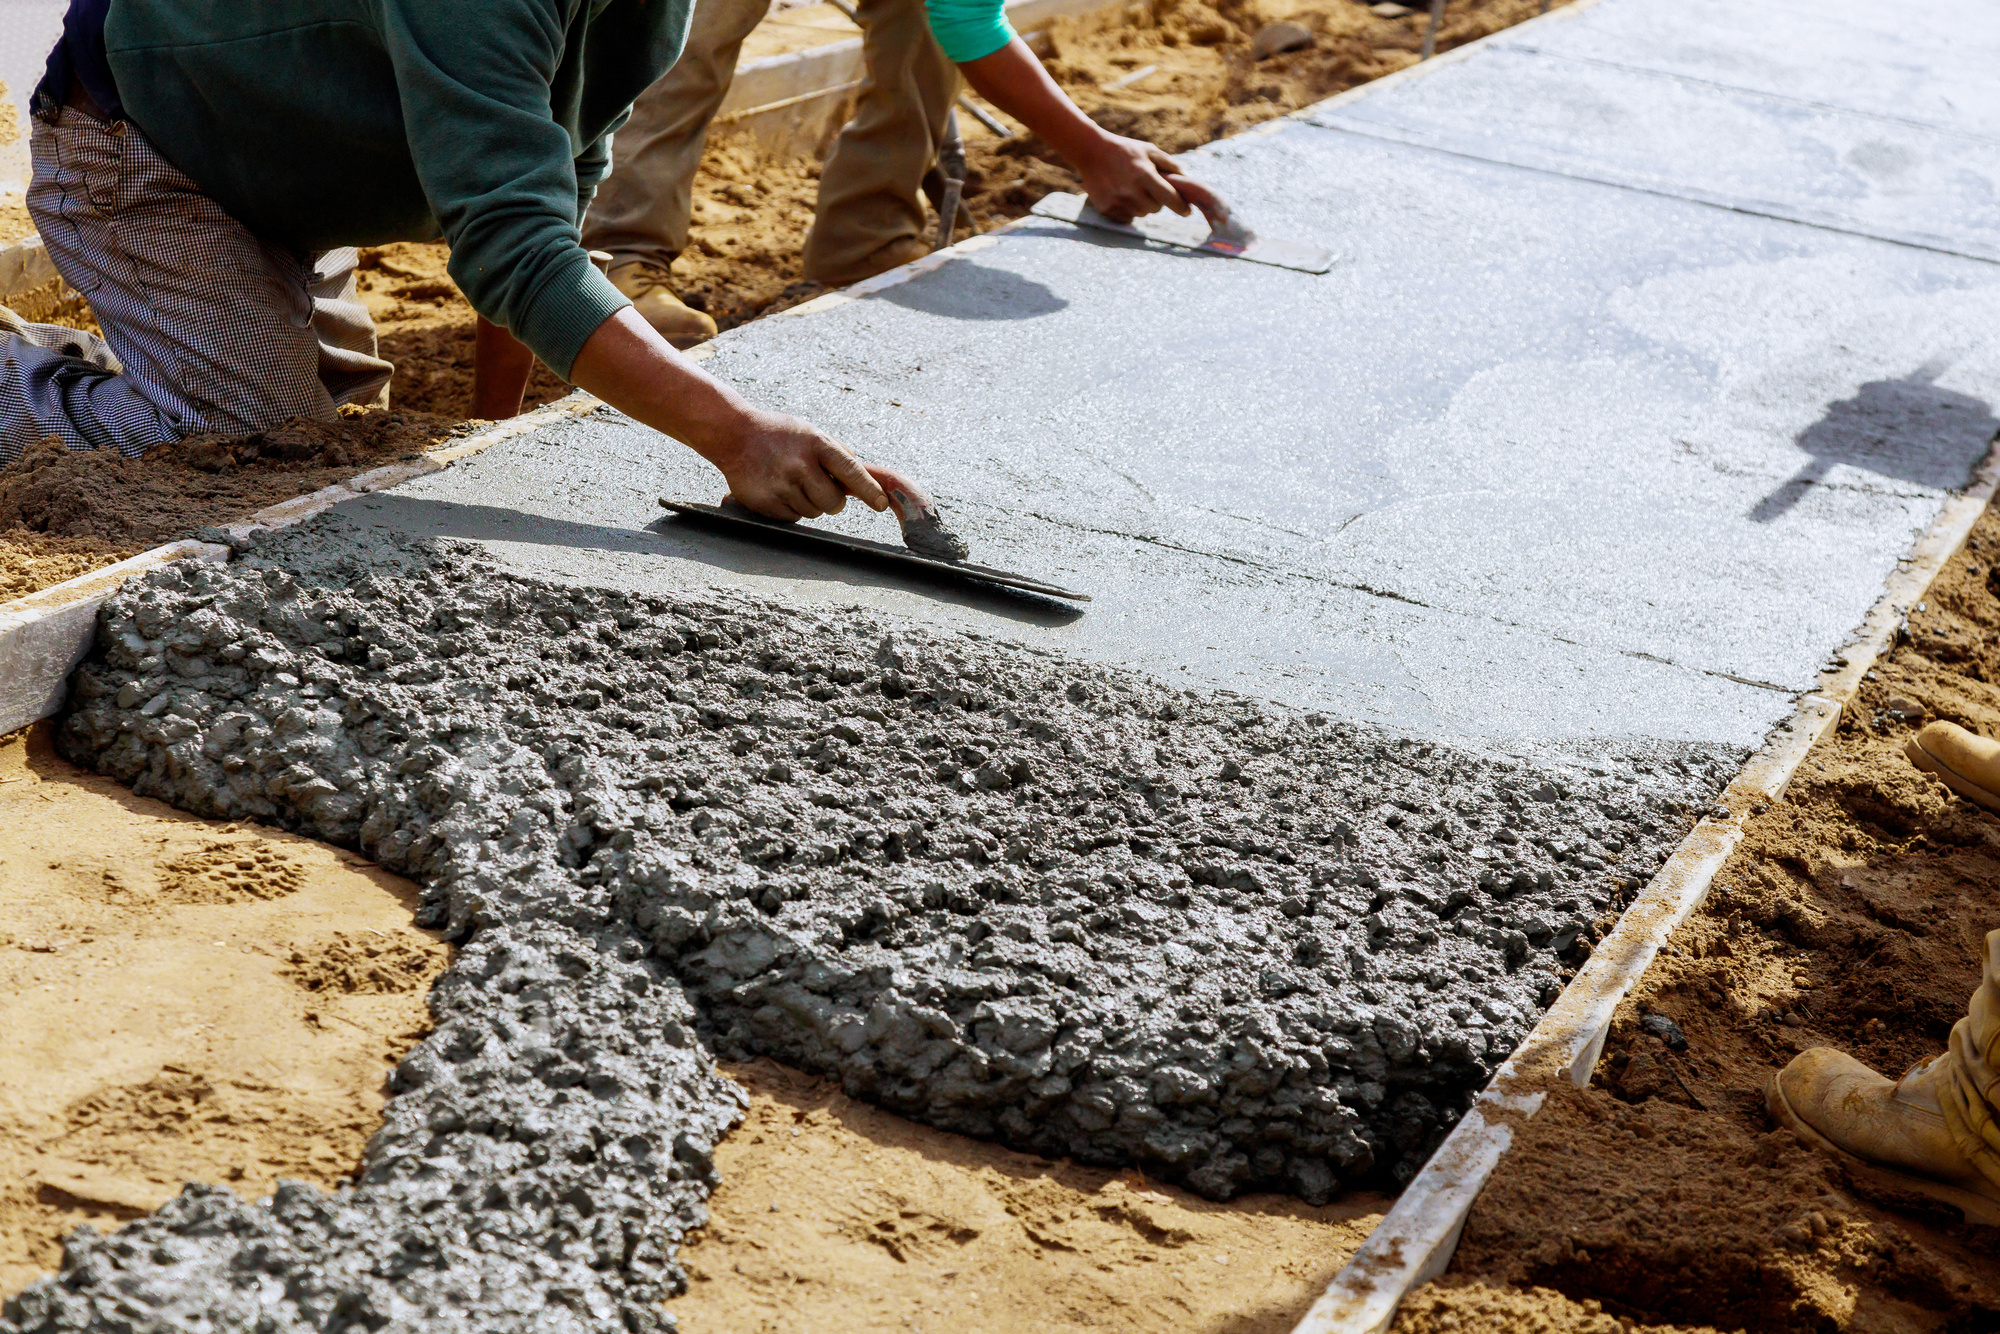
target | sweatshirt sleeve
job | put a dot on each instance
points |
(969, 29)
(502, 176)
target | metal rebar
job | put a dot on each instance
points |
(1430, 33)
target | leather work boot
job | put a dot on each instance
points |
(656, 303)
(1968, 764)
(883, 258)
(1932, 1132)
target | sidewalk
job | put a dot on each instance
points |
(1558, 452)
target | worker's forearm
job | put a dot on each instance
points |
(1014, 80)
(632, 368)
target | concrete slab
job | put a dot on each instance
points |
(1538, 451)
(1924, 64)
(1785, 157)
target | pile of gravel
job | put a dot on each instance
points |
(1000, 891)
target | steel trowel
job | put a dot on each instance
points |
(929, 544)
(1217, 231)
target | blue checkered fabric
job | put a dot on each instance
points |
(206, 328)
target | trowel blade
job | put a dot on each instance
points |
(744, 521)
(1190, 233)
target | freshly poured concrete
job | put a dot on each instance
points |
(1543, 460)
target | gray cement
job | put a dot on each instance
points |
(1542, 461)
(1013, 894)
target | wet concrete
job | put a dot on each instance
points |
(1013, 894)
(1543, 462)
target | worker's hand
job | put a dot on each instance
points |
(1127, 178)
(783, 468)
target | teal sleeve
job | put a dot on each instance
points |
(969, 29)
(504, 178)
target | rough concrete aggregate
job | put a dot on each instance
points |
(997, 890)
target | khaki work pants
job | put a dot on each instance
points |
(206, 327)
(869, 190)
(1974, 1092)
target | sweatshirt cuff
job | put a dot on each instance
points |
(573, 302)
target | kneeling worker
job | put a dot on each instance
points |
(870, 215)
(199, 169)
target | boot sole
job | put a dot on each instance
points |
(1976, 1208)
(1951, 778)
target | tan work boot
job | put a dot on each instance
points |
(1968, 764)
(1931, 1132)
(894, 255)
(654, 299)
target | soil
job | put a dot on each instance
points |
(837, 1216)
(65, 513)
(1851, 917)
(15, 224)
(181, 1000)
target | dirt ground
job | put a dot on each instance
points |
(181, 1000)
(1851, 917)
(838, 1217)
(63, 514)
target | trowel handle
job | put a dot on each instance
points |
(1224, 231)
(906, 498)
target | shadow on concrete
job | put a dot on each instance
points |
(672, 539)
(817, 564)
(1910, 430)
(976, 292)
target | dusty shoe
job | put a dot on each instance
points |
(894, 255)
(1892, 1133)
(1968, 764)
(656, 303)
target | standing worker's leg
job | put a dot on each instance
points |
(871, 215)
(641, 213)
(1933, 1131)
(214, 329)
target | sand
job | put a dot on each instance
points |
(1851, 917)
(66, 513)
(181, 1000)
(838, 1217)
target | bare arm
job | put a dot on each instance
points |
(777, 465)
(1124, 178)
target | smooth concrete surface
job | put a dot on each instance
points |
(1923, 62)
(1784, 157)
(1542, 459)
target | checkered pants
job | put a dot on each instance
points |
(206, 328)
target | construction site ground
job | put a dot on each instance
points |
(1661, 1197)
(1854, 916)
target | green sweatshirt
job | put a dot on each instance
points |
(323, 123)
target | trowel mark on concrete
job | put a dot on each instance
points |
(994, 889)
